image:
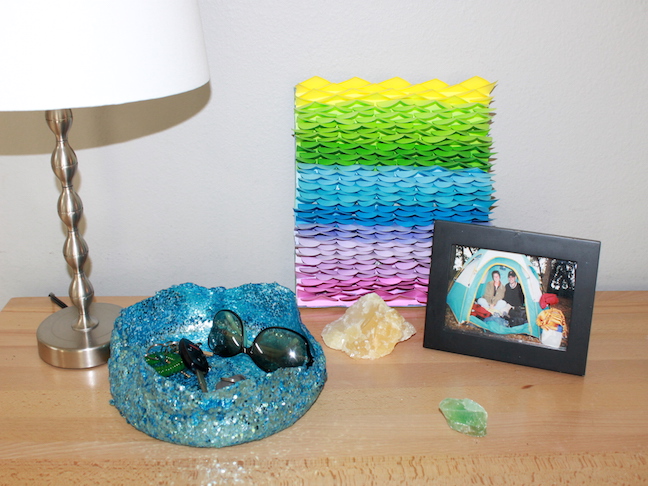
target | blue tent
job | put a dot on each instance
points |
(471, 281)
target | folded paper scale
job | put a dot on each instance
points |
(377, 164)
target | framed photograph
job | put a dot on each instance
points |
(514, 296)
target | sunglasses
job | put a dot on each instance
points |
(273, 348)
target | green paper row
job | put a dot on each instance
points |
(446, 149)
(452, 145)
(447, 160)
(428, 129)
(411, 107)
(457, 120)
(428, 134)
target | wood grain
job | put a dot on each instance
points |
(376, 422)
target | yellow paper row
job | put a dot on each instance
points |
(316, 89)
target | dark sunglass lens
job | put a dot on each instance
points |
(276, 348)
(226, 335)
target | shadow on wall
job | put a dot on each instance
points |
(27, 133)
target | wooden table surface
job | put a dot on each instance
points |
(376, 422)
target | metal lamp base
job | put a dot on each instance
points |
(59, 344)
(77, 336)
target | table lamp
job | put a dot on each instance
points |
(64, 54)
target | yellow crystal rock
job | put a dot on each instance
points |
(368, 329)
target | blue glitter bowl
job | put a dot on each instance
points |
(174, 409)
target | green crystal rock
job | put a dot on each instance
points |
(465, 416)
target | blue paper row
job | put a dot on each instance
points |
(390, 195)
(387, 215)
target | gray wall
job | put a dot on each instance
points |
(200, 187)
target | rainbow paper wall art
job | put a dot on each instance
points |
(377, 164)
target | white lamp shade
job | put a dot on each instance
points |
(58, 54)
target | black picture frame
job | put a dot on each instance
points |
(569, 263)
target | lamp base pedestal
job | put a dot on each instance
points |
(60, 345)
